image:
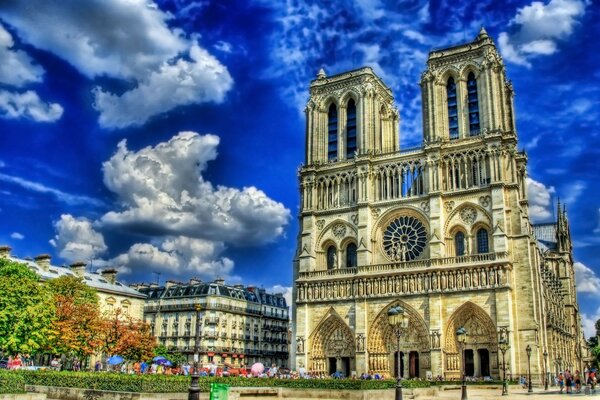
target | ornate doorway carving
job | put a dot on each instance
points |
(332, 345)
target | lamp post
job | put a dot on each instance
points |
(194, 389)
(399, 323)
(545, 370)
(503, 345)
(461, 337)
(529, 387)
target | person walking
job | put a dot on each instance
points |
(561, 381)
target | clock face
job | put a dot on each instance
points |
(404, 239)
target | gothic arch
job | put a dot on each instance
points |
(381, 343)
(349, 94)
(331, 338)
(388, 217)
(454, 218)
(329, 233)
(446, 73)
(481, 333)
(468, 68)
(327, 101)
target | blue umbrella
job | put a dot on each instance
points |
(158, 358)
(164, 361)
(114, 360)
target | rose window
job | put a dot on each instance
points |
(404, 239)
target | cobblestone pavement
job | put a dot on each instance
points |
(514, 393)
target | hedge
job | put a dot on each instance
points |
(11, 383)
(15, 381)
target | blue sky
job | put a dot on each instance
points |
(165, 136)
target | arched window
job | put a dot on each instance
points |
(351, 255)
(452, 108)
(482, 241)
(459, 244)
(474, 127)
(332, 128)
(351, 129)
(331, 257)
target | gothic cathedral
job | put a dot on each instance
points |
(442, 231)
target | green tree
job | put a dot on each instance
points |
(78, 323)
(26, 310)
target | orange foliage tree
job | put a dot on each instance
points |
(128, 337)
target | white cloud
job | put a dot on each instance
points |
(17, 236)
(536, 29)
(586, 278)
(67, 198)
(223, 46)
(573, 190)
(182, 256)
(28, 105)
(17, 68)
(127, 40)
(285, 290)
(76, 239)
(589, 323)
(540, 200)
(203, 79)
(163, 193)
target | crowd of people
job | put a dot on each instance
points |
(572, 382)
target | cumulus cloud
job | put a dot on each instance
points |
(203, 79)
(588, 321)
(28, 105)
(536, 29)
(540, 200)
(163, 193)
(586, 278)
(127, 40)
(182, 256)
(17, 68)
(76, 239)
(17, 236)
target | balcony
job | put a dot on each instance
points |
(211, 320)
(462, 261)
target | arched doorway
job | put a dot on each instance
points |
(383, 349)
(480, 353)
(332, 346)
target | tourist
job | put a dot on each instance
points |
(561, 381)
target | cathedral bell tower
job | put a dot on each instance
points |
(349, 114)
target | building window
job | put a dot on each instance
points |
(482, 241)
(331, 257)
(351, 255)
(332, 128)
(459, 244)
(473, 105)
(452, 109)
(351, 129)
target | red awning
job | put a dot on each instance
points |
(235, 356)
(224, 355)
(210, 354)
(241, 356)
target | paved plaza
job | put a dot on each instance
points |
(492, 394)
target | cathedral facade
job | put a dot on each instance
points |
(442, 230)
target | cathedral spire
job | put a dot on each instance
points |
(321, 74)
(482, 34)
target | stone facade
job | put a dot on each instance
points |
(238, 325)
(442, 230)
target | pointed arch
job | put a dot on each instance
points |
(332, 129)
(473, 105)
(331, 338)
(452, 100)
(481, 334)
(351, 127)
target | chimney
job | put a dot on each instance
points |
(220, 281)
(171, 283)
(110, 275)
(154, 285)
(195, 281)
(78, 268)
(5, 251)
(43, 260)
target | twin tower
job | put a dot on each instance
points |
(442, 231)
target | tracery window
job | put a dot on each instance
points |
(331, 257)
(459, 244)
(452, 108)
(351, 129)
(473, 103)
(332, 128)
(351, 255)
(482, 241)
(404, 239)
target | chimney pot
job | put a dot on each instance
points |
(110, 275)
(78, 268)
(5, 251)
(43, 260)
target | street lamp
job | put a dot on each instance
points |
(545, 369)
(528, 350)
(461, 337)
(399, 323)
(503, 344)
(194, 389)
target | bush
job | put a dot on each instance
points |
(179, 384)
(11, 383)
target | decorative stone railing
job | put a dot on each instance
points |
(487, 258)
(407, 282)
